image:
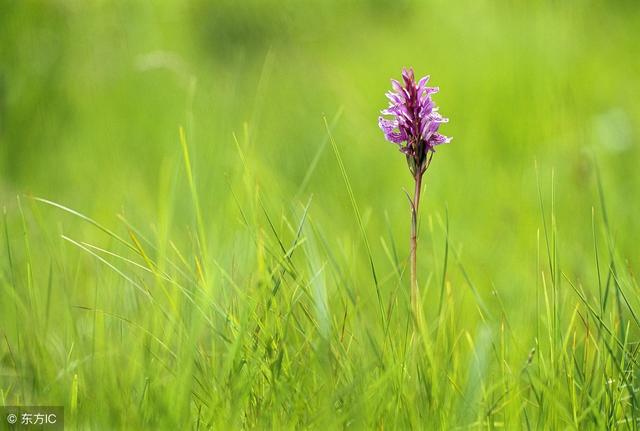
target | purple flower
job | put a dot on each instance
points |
(414, 120)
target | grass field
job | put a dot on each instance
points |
(204, 228)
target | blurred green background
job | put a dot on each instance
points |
(92, 95)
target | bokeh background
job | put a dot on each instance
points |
(92, 95)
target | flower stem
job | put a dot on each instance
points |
(415, 295)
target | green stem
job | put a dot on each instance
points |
(415, 294)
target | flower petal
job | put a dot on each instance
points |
(389, 127)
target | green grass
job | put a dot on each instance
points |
(144, 333)
(203, 227)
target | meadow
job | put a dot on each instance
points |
(203, 226)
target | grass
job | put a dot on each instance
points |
(249, 270)
(167, 336)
